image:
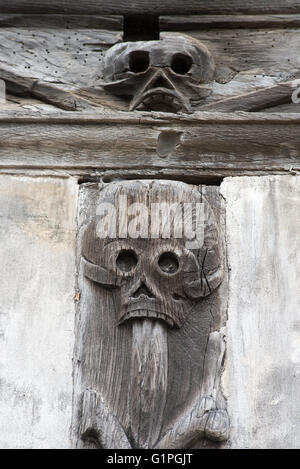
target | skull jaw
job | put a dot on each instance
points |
(148, 314)
(158, 90)
(160, 99)
(151, 308)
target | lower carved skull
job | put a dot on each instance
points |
(159, 277)
(166, 75)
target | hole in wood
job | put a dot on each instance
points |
(126, 260)
(181, 64)
(140, 28)
(168, 263)
(166, 143)
(139, 61)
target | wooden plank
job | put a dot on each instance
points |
(127, 144)
(258, 52)
(71, 57)
(151, 361)
(113, 23)
(167, 23)
(155, 7)
(195, 22)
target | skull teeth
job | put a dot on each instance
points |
(149, 102)
(142, 313)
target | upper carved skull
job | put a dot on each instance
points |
(166, 75)
(158, 277)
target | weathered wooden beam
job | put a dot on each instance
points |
(112, 23)
(196, 22)
(144, 144)
(167, 23)
(155, 7)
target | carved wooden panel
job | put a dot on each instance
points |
(150, 345)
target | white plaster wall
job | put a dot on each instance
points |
(262, 377)
(37, 250)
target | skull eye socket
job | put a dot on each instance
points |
(168, 263)
(181, 63)
(139, 61)
(126, 260)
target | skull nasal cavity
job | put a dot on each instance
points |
(143, 290)
(181, 63)
(160, 82)
(139, 61)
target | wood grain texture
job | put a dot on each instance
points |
(72, 57)
(167, 23)
(48, 93)
(148, 382)
(160, 144)
(111, 23)
(143, 7)
(99, 424)
(136, 368)
(196, 22)
(265, 51)
(201, 416)
(256, 100)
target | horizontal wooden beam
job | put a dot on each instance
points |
(153, 7)
(204, 145)
(196, 22)
(167, 23)
(112, 23)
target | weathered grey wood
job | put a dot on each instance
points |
(23, 86)
(167, 23)
(289, 107)
(154, 7)
(82, 144)
(136, 367)
(262, 51)
(196, 22)
(256, 100)
(201, 414)
(148, 381)
(71, 57)
(112, 23)
(246, 59)
(98, 424)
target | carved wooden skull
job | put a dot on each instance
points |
(162, 277)
(166, 75)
